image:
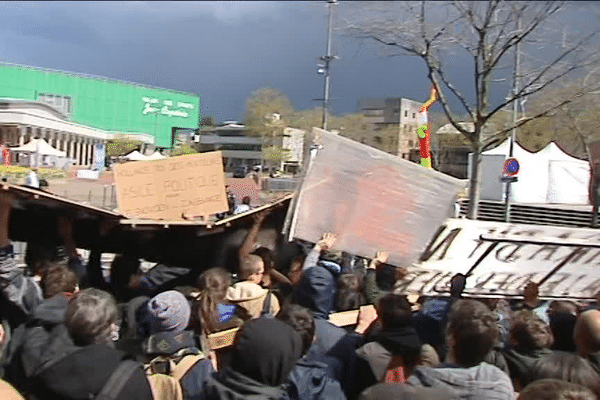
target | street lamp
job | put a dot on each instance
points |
(323, 69)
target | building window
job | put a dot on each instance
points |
(61, 103)
(405, 113)
(414, 115)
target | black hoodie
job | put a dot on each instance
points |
(55, 368)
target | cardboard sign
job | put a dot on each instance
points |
(510, 265)
(192, 185)
(372, 200)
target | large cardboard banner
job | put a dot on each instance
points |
(192, 185)
(372, 200)
(510, 265)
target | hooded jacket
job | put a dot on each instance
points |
(260, 364)
(520, 364)
(309, 381)
(374, 358)
(58, 369)
(251, 297)
(482, 382)
(28, 339)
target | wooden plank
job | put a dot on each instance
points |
(200, 223)
(31, 196)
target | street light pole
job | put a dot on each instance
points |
(513, 134)
(324, 68)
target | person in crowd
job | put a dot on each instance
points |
(308, 379)
(244, 207)
(531, 301)
(471, 333)
(127, 280)
(76, 361)
(32, 179)
(7, 391)
(271, 276)
(563, 316)
(431, 320)
(392, 352)
(211, 311)
(529, 340)
(555, 389)
(384, 391)
(59, 283)
(317, 291)
(172, 349)
(23, 293)
(567, 367)
(266, 352)
(587, 337)
(381, 277)
(248, 294)
(350, 292)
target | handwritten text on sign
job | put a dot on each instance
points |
(191, 185)
(508, 268)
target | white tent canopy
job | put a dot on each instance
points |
(155, 156)
(548, 176)
(135, 156)
(41, 147)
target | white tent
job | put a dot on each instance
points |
(135, 156)
(548, 176)
(156, 156)
(41, 147)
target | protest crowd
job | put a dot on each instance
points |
(68, 332)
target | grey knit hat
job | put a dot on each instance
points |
(168, 312)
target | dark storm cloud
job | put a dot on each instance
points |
(220, 50)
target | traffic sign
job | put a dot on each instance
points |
(511, 167)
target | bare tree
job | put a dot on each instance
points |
(483, 37)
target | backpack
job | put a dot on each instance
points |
(117, 380)
(165, 373)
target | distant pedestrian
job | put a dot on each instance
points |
(245, 206)
(32, 179)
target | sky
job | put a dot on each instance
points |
(221, 51)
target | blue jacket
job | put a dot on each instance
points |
(317, 289)
(309, 381)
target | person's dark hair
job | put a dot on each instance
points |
(302, 321)
(350, 292)
(90, 315)
(472, 327)
(246, 200)
(121, 270)
(394, 311)
(38, 256)
(555, 389)
(567, 367)
(528, 332)
(213, 284)
(267, 256)
(58, 278)
(249, 265)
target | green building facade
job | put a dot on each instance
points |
(111, 105)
